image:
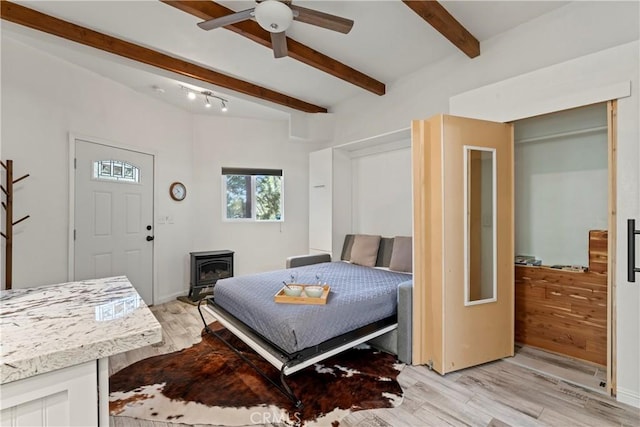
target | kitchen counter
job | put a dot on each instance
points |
(51, 327)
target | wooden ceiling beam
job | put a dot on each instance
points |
(39, 21)
(440, 19)
(206, 10)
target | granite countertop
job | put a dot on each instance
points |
(55, 326)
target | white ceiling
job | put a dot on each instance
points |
(387, 42)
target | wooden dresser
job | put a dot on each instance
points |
(565, 311)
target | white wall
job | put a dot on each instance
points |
(565, 33)
(232, 142)
(43, 100)
(574, 31)
(561, 184)
(561, 194)
(381, 186)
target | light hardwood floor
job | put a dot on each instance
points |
(494, 394)
(582, 373)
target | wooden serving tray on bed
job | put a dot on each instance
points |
(283, 298)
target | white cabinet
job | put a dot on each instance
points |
(320, 203)
(59, 376)
(65, 397)
(329, 200)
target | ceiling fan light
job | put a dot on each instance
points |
(273, 15)
(191, 95)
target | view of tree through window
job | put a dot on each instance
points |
(238, 204)
(253, 194)
(268, 197)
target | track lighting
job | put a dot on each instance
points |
(193, 94)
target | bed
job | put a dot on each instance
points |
(362, 305)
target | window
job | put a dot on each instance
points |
(252, 194)
(115, 170)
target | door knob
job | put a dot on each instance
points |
(148, 227)
(149, 238)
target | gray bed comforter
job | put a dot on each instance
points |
(359, 296)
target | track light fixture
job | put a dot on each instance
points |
(193, 94)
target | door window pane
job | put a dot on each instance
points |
(115, 170)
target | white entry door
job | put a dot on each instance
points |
(114, 215)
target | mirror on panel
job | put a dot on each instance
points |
(480, 225)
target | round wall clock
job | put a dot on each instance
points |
(178, 191)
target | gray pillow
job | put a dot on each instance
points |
(384, 252)
(365, 250)
(346, 248)
(401, 256)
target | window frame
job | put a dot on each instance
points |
(254, 173)
(96, 175)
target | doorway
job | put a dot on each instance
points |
(564, 235)
(113, 215)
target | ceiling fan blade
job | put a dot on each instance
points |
(226, 20)
(279, 44)
(321, 19)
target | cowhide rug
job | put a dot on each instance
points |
(208, 384)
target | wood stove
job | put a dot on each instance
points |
(206, 269)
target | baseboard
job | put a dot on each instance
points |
(628, 397)
(167, 298)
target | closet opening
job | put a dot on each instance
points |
(564, 196)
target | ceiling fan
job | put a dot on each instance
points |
(276, 16)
